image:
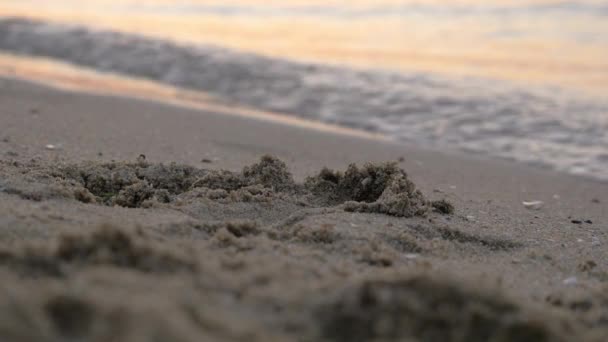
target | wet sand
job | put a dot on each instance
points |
(129, 220)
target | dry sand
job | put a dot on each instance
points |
(126, 220)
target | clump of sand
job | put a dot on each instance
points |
(590, 305)
(270, 172)
(425, 308)
(130, 184)
(108, 245)
(374, 188)
(443, 206)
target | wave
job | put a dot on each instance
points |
(543, 127)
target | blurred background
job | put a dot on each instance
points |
(539, 41)
(517, 79)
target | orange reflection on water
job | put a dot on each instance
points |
(461, 46)
(64, 76)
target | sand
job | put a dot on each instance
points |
(127, 220)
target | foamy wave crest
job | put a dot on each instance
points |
(548, 128)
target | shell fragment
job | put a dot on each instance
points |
(533, 205)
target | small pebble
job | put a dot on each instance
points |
(6, 139)
(577, 221)
(589, 221)
(51, 147)
(595, 200)
(533, 205)
(570, 281)
(412, 256)
(43, 207)
(401, 159)
(470, 218)
(205, 160)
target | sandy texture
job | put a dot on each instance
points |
(122, 220)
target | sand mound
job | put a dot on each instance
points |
(381, 188)
(427, 309)
(270, 173)
(130, 184)
(398, 198)
(107, 246)
(590, 306)
(374, 188)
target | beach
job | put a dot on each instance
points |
(125, 219)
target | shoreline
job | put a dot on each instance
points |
(426, 109)
(64, 76)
